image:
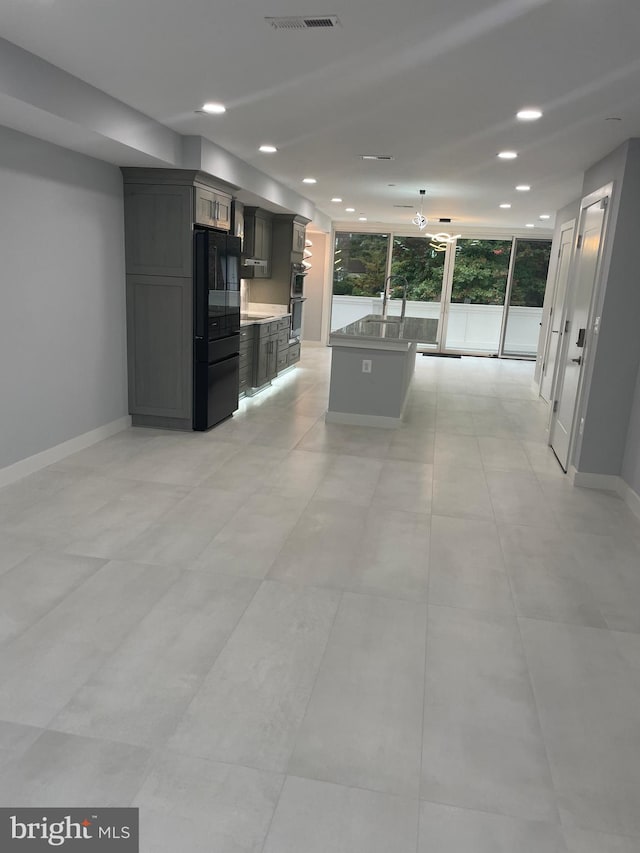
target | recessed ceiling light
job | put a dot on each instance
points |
(336, 199)
(268, 149)
(507, 155)
(362, 218)
(505, 206)
(213, 108)
(544, 216)
(529, 114)
(309, 181)
(350, 209)
(529, 225)
(523, 188)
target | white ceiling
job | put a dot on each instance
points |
(435, 85)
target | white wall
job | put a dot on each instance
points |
(631, 461)
(611, 382)
(314, 287)
(62, 296)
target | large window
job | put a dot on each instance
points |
(421, 266)
(359, 271)
(477, 295)
(529, 280)
(463, 287)
(480, 271)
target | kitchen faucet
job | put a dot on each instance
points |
(386, 297)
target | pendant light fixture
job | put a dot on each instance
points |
(419, 219)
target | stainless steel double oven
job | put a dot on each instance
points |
(297, 298)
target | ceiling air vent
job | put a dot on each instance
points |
(376, 156)
(407, 206)
(444, 219)
(304, 22)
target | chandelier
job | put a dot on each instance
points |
(440, 241)
(419, 219)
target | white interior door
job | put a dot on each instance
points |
(575, 328)
(552, 347)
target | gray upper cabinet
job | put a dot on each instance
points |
(212, 208)
(158, 230)
(289, 237)
(299, 231)
(237, 219)
(257, 241)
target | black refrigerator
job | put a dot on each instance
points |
(216, 324)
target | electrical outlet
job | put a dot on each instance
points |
(366, 365)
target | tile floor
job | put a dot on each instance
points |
(288, 637)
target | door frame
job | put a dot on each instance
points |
(445, 295)
(568, 226)
(507, 296)
(447, 290)
(586, 368)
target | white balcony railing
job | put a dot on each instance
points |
(472, 328)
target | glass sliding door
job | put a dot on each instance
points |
(359, 271)
(414, 260)
(526, 296)
(475, 308)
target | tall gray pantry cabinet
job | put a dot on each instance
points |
(161, 206)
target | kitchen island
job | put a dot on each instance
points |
(372, 364)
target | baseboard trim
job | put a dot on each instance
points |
(349, 419)
(55, 454)
(631, 498)
(609, 483)
(606, 482)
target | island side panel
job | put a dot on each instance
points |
(376, 398)
(409, 370)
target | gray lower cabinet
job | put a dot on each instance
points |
(283, 345)
(246, 357)
(159, 344)
(265, 350)
(282, 360)
(293, 353)
(266, 354)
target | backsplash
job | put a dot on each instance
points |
(266, 308)
(244, 296)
